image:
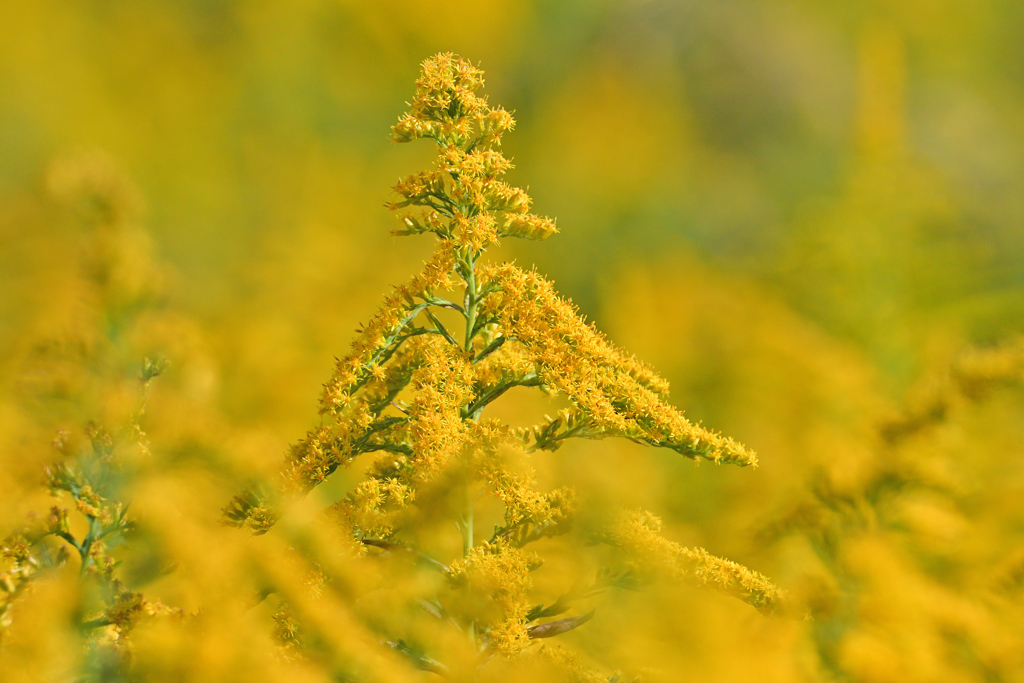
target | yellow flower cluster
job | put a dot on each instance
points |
(981, 368)
(1010, 577)
(971, 376)
(414, 393)
(613, 393)
(569, 666)
(366, 508)
(498, 458)
(385, 330)
(878, 522)
(130, 607)
(463, 200)
(446, 96)
(500, 571)
(636, 533)
(17, 569)
(362, 386)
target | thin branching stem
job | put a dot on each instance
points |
(474, 408)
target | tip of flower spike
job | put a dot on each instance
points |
(719, 450)
(529, 227)
(733, 452)
(466, 181)
(445, 95)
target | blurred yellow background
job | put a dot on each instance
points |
(802, 213)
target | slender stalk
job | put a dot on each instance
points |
(473, 410)
(467, 519)
(467, 524)
(469, 275)
(471, 303)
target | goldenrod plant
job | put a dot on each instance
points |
(909, 583)
(413, 394)
(493, 489)
(84, 372)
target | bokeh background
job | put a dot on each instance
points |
(803, 213)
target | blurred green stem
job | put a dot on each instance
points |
(471, 301)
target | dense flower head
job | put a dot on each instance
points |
(446, 91)
(501, 571)
(463, 199)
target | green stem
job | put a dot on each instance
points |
(467, 525)
(87, 542)
(471, 303)
(469, 275)
(94, 623)
(467, 546)
(490, 348)
(439, 326)
(473, 409)
(71, 540)
(470, 313)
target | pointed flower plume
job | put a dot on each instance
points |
(463, 198)
(413, 390)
